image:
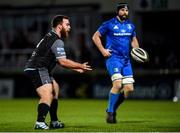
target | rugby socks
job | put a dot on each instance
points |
(42, 112)
(119, 101)
(113, 98)
(53, 110)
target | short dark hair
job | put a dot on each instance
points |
(57, 20)
(121, 5)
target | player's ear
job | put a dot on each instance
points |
(60, 26)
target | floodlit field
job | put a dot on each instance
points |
(89, 115)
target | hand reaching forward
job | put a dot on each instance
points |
(86, 67)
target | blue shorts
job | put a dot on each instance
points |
(120, 68)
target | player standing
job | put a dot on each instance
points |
(120, 38)
(48, 52)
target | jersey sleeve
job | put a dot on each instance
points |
(58, 49)
(134, 32)
(103, 28)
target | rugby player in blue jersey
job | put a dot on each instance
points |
(120, 38)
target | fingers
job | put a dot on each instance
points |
(86, 66)
(107, 52)
(85, 63)
(80, 70)
(88, 69)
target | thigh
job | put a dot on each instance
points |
(45, 91)
(127, 74)
(39, 77)
(114, 68)
(127, 70)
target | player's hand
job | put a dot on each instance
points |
(86, 67)
(106, 53)
(79, 70)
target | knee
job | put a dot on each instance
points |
(116, 88)
(127, 90)
(45, 94)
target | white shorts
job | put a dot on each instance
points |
(125, 79)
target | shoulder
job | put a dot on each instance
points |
(52, 35)
(58, 45)
(112, 20)
(130, 23)
(59, 42)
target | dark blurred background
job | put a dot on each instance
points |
(23, 23)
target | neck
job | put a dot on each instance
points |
(120, 19)
(55, 30)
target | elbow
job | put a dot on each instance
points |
(96, 36)
(93, 38)
(62, 62)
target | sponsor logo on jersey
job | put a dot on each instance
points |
(122, 34)
(60, 49)
(61, 53)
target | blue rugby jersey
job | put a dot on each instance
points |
(118, 36)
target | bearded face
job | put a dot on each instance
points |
(123, 17)
(64, 33)
(123, 14)
(65, 28)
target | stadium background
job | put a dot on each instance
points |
(84, 96)
(23, 23)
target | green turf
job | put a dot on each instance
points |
(89, 115)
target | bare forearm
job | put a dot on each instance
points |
(70, 64)
(135, 43)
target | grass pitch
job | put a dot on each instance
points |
(19, 115)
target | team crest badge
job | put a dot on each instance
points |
(129, 26)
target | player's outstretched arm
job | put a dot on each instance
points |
(74, 65)
(83, 70)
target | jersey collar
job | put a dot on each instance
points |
(119, 20)
(53, 31)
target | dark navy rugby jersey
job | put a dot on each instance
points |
(118, 36)
(48, 50)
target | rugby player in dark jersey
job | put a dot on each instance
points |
(49, 52)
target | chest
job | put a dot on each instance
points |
(121, 30)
